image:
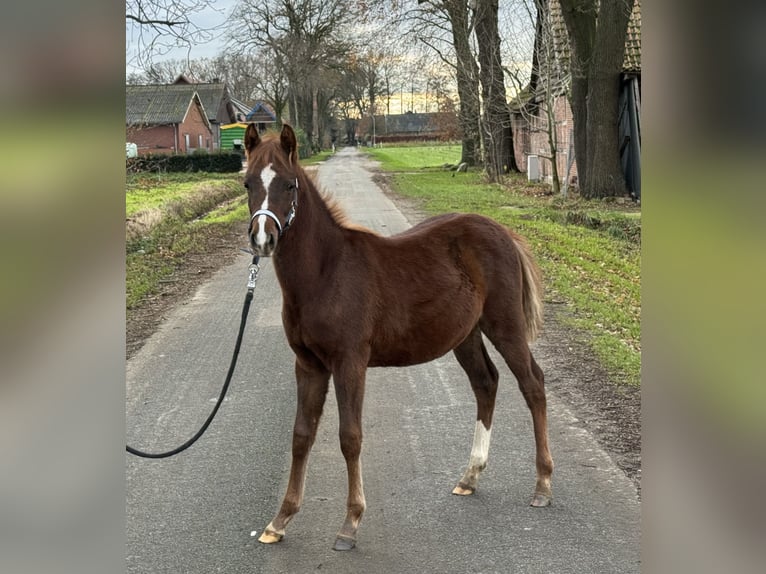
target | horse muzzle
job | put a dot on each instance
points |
(265, 230)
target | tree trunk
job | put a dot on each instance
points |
(315, 144)
(578, 100)
(553, 142)
(597, 33)
(496, 122)
(604, 170)
(467, 82)
(580, 19)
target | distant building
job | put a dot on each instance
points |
(165, 118)
(409, 126)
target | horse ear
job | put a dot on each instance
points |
(289, 143)
(252, 138)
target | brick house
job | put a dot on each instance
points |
(529, 120)
(157, 108)
(221, 107)
(165, 119)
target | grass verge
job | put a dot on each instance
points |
(184, 208)
(589, 251)
(169, 215)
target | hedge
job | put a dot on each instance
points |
(214, 162)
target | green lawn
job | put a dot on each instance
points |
(399, 158)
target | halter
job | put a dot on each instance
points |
(270, 214)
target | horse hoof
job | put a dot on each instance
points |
(342, 544)
(540, 500)
(463, 490)
(270, 537)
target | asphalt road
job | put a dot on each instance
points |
(202, 510)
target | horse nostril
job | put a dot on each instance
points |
(272, 240)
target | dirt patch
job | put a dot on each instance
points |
(220, 247)
(609, 410)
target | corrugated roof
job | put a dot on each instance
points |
(156, 104)
(211, 96)
(241, 109)
(239, 125)
(165, 104)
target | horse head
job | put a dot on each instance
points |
(271, 180)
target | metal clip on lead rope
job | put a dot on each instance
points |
(252, 276)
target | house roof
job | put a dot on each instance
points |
(261, 113)
(211, 96)
(632, 59)
(171, 96)
(158, 104)
(240, 109)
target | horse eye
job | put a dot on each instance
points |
(247, 185)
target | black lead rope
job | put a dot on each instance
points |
(252, 278)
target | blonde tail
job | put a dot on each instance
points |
(532, 290)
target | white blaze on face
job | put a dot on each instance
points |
(480, 450)
(267, 175)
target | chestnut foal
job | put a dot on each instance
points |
(353, 299)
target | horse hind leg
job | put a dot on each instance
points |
(515, 351)
(473, 358)
(312, 391)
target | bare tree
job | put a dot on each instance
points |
(496, 117)
(155, 27)
(539, 91)
(446, 27)
(597, 32)
(305, 37)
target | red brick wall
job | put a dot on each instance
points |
(531, 138)
(196, 127)
(152, 139)
(162, 139)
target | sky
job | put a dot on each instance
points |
(210, 18)
(516, 28)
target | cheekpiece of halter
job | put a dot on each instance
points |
(271, 215)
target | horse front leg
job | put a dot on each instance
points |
(312, 390)
(349, 390)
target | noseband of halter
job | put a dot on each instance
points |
(270, 214)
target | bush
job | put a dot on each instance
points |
(224, 162)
